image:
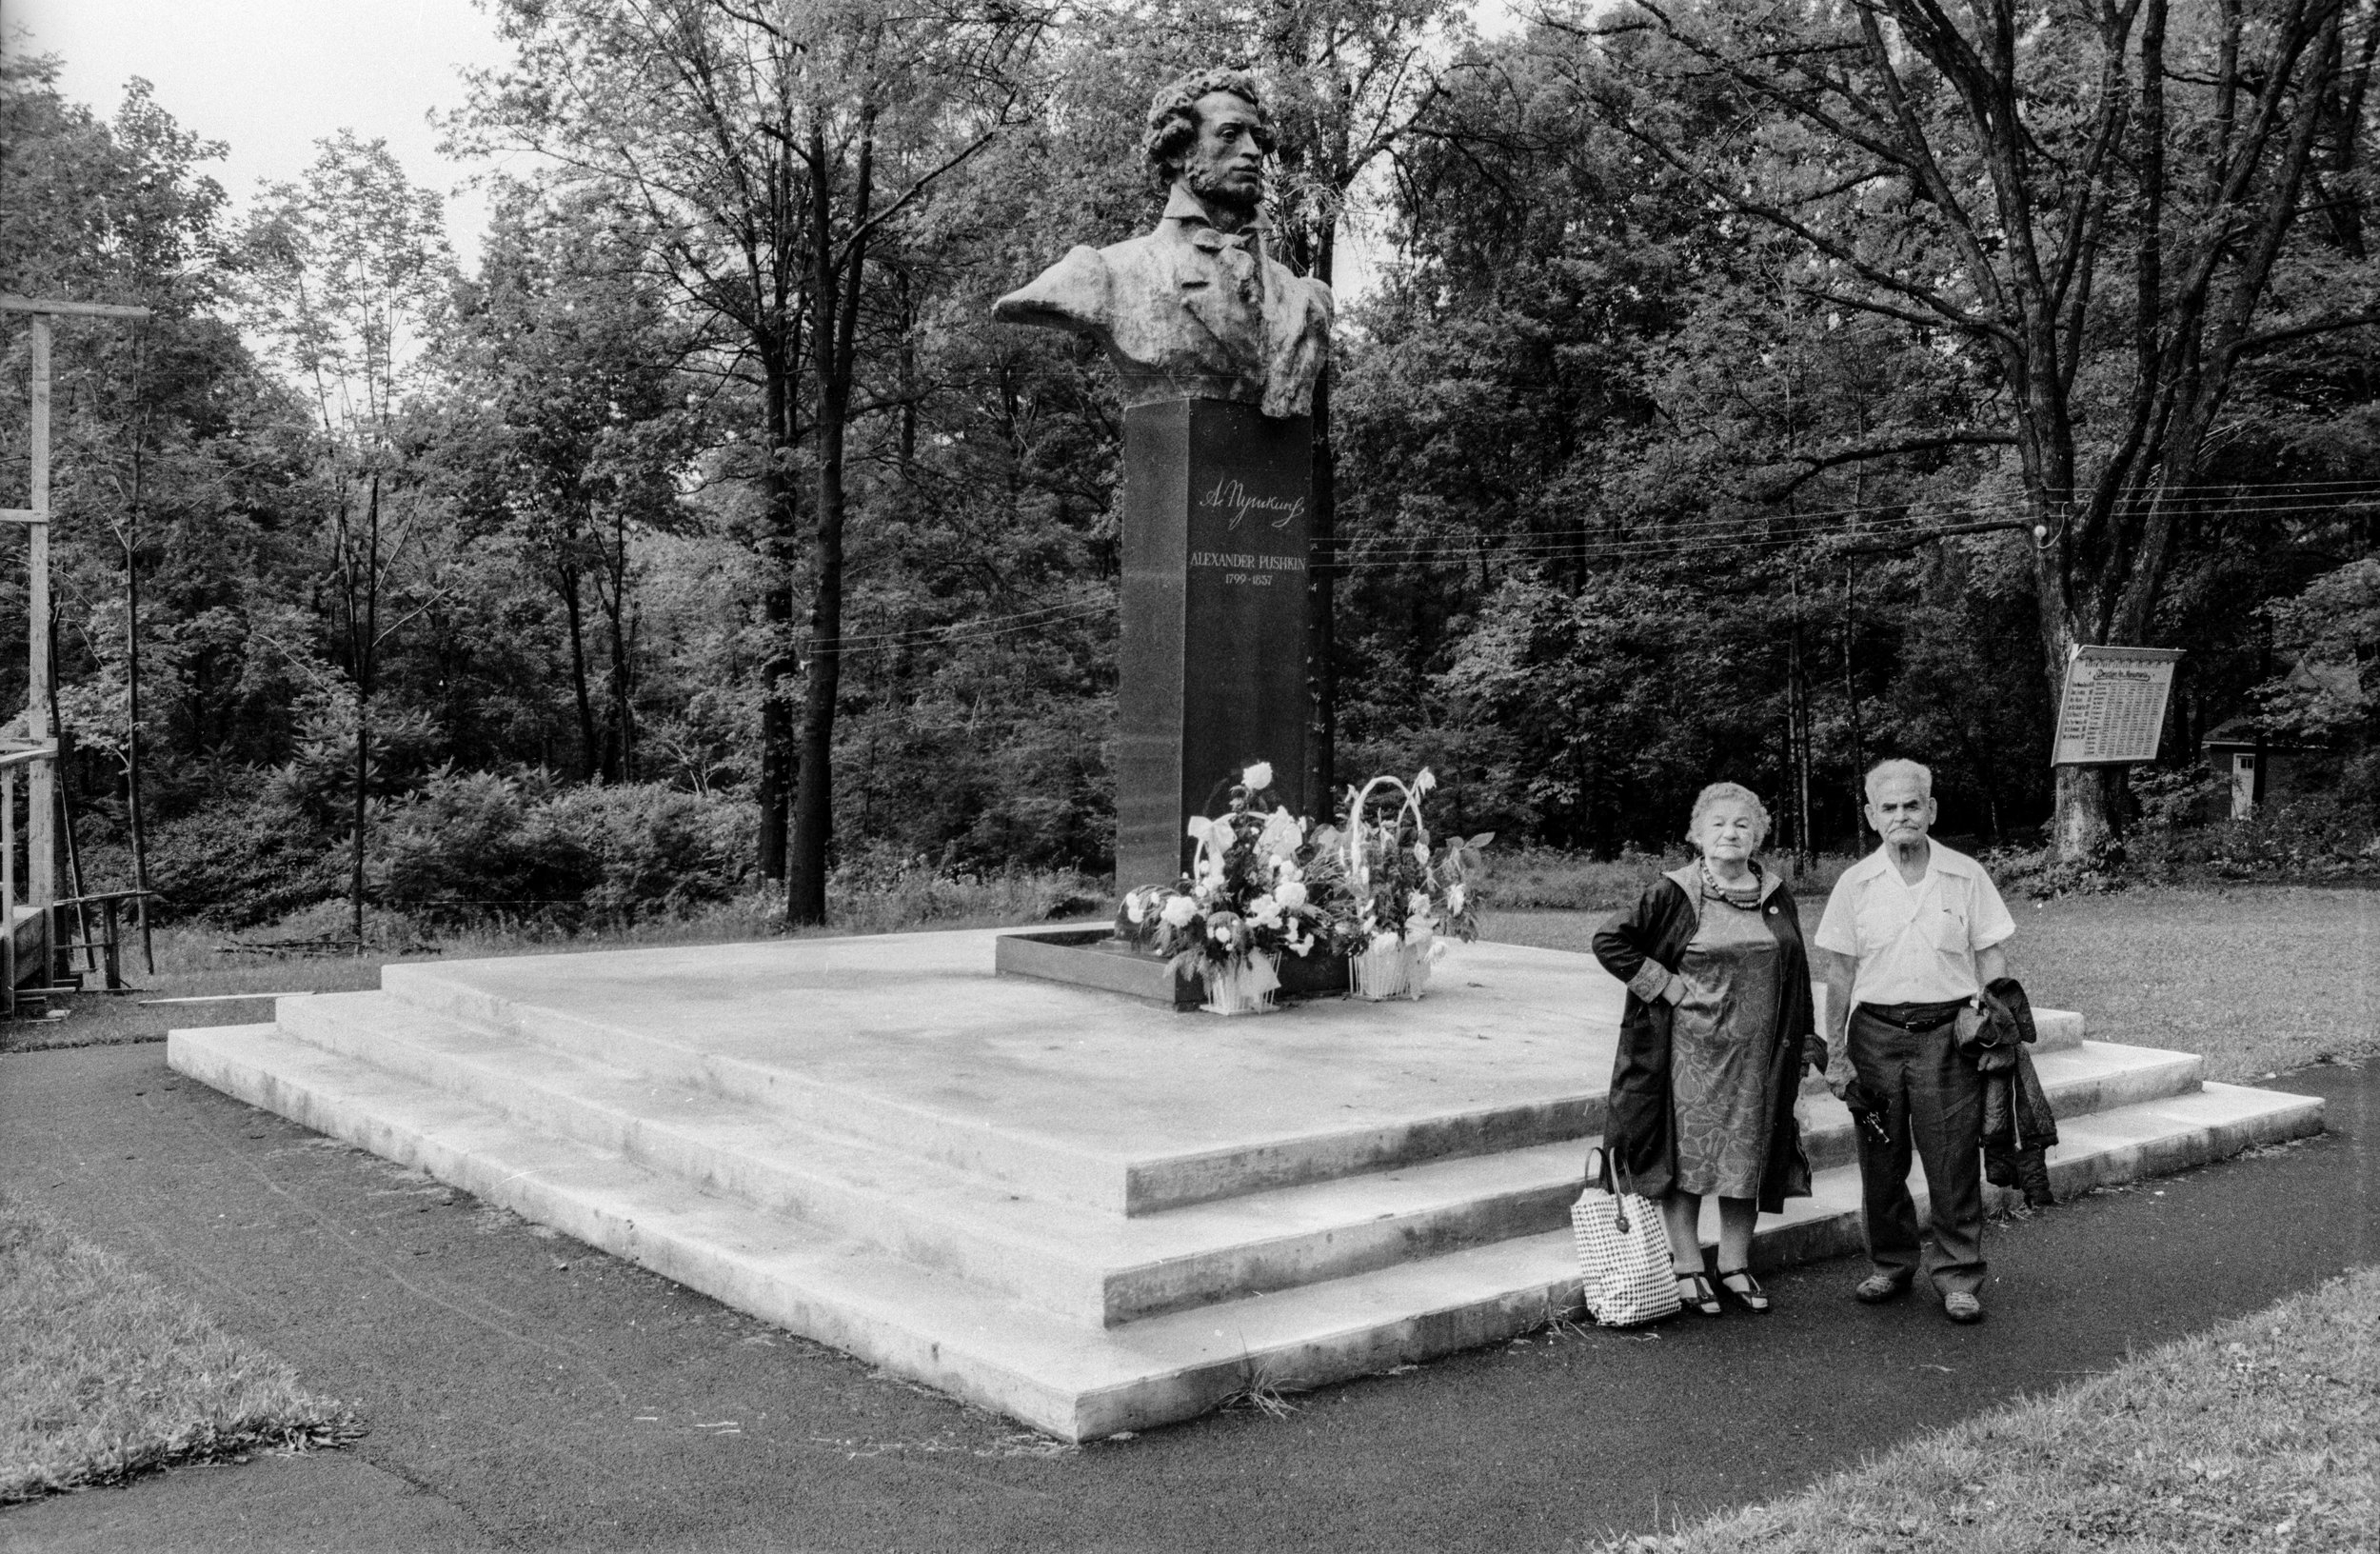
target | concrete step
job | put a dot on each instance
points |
(1072, 1380)
(2152, 1137)
(1054, 1161)
(2079, 1078)
(1045, 1164)
(1083, 1264)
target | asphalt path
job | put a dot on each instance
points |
(527, 1392)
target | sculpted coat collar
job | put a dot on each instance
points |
(1199, 228)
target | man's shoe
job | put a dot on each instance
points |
(1962, 1308)
(1879, 1288)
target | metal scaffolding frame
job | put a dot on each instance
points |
(38, 755)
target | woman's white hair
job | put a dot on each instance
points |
(1888, 772)
(1721, 793)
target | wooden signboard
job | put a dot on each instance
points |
(2112, 712)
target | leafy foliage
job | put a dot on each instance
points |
(1636, 485)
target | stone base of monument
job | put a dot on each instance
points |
(1094, 958)
(1054, 1202)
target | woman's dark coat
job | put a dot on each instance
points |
(1639, 1128)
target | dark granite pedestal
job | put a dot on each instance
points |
(1218, 501)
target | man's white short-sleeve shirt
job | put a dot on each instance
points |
(1915, 944)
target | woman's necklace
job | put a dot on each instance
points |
(1740, 895)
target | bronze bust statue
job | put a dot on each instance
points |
(1197, 310)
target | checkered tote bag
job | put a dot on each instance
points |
(1623, 1252)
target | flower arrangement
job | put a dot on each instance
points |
(1401, 900)
(1244, 904)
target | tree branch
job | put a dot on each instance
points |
(1885, 450)
(2273, 337)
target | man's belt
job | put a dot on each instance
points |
(1915, 1018)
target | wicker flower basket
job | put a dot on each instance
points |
(1399, 971)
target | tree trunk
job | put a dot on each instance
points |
(835, 290)
(590, 757)
(134, 824)
(366, 640)
(622, 658)
(774, 790)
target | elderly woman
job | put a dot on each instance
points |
(1716, 1028)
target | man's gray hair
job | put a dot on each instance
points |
(1887, 772)
(1721, 793)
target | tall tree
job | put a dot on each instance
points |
(2100, 210)
(771, 150)
(347, 268)
(563, 347)
(1353, 78)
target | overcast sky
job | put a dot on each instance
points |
(272, 77)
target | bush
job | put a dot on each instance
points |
(248, 858)
(468, 845)
(655, 848)
(473, 847)
(2300, 842)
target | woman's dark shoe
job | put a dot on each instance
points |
(1745, 1290)
(1695, 1294)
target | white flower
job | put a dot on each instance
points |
(1258, 777)
(1383, 942)
(1454, 898)
(1218, 927)
(1179, 910)
(1417, 905)
(1264, 912)
(1290, 893)
(1136, 906)
(1281, 834)
(1421, 853)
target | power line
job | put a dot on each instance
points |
(1893, 523)
(930, 634)
(960, 633)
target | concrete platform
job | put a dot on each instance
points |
(1083, 1211)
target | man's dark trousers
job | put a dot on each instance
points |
(1924, 1091)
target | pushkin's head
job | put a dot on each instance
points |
(1211, 130)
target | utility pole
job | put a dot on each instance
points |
(41, 810)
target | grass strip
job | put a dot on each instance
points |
(103, 1374)
(2262, 1433)
(2260, 980)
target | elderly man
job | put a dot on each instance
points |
(1197, 310)
(1911, 936)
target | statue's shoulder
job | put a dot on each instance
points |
(1133, 254)
(1313, 294)
(1071, 294)
(1083, 266)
